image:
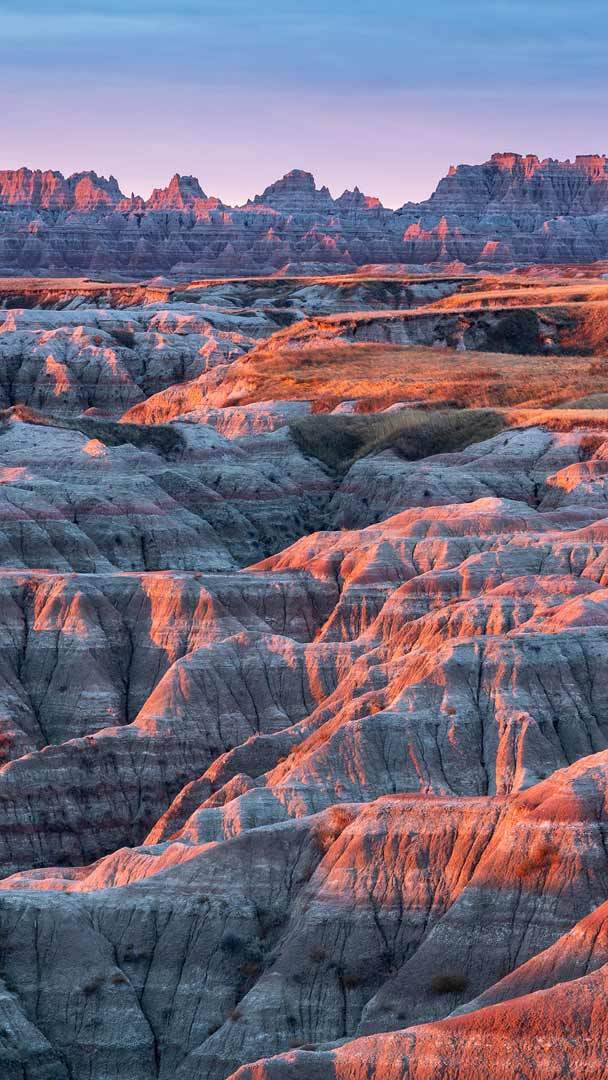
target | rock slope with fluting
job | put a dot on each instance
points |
(303, 756)
(510, 210)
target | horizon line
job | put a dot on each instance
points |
(191, 176)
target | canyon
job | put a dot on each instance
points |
(512, 210)
(304, 614)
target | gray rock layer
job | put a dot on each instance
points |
(302, 774)
(509, 210)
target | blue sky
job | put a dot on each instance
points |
(386, 95)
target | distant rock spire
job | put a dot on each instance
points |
(297, 191)
(181, 193)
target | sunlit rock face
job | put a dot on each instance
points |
(509, 210)
(303, 767)
(70, 361)
(513, 209)
(22, 188)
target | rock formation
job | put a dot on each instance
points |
(37, 191)
(303, 767)
(511, 210)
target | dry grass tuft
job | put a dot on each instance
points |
(540, 857)
(590, 401)
(378, 375)
(124, 337)
(250, 969)
(454, 983)
(338, 440)
(317, 954)
(561, 419)
(162, 438)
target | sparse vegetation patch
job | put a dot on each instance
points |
(162, 438)
(339, 440)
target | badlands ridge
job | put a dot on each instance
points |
(304, 622)
(511, 210)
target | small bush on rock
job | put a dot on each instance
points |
(339, 440)
(93, 985)
(449, 983)
(317, 954)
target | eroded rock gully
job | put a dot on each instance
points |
(304, 772)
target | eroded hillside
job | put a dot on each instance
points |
(303, 720)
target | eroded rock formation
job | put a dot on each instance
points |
(303, 768)
(511, 210)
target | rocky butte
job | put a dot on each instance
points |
(509, 211)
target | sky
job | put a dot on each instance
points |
(383, 94)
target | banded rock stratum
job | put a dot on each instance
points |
(304, 625)
(511, 210)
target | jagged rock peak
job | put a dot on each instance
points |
(90, 190)
(592, 165)
(547, 187)
(181, 193)
(297, 190)
(357, 200)
(50, 190)
(512, 209)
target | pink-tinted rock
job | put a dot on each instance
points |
(509, 210)
(336, 814)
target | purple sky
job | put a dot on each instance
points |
(383, 95)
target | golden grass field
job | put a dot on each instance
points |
(376, 376)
